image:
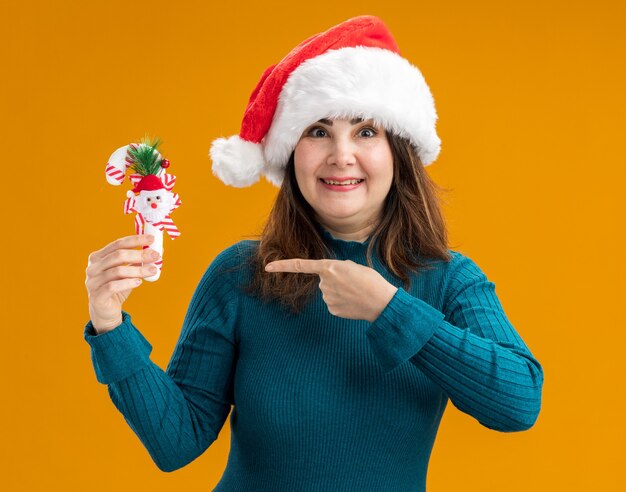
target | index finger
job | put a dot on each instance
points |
(295, 265)
(122, 243)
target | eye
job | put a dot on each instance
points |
(158, 197)
(367, 132)
(317, 132)
(149, 198)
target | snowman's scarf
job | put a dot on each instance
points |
(167, 225)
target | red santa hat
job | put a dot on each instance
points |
(352, 70)
(149, 182)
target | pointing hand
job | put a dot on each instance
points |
(349, 290)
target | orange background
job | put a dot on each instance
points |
(531, 103)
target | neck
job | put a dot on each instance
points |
(349, 233)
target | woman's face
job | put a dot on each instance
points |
(344, 169)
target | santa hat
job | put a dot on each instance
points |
(352, 70)
(150, 182)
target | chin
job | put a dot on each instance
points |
(338, 215)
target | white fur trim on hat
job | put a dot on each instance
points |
(274, 175)
(237, 162)
(348, 83)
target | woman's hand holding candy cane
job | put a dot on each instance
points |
(112, 273)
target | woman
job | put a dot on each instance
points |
(339, 337)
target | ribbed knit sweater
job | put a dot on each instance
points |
(319, 402)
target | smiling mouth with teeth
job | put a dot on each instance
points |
(341, 183)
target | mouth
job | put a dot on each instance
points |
(342, 182)
(339, 185)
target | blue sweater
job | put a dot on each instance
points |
(322, 403)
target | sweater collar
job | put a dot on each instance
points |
(343, 248)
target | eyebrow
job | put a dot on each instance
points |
(328, 122)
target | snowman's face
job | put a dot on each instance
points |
(156, 203)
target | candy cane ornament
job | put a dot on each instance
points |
(151, 197)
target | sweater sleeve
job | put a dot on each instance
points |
(177, 413)
(470, 350)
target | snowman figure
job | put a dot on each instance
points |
(151, 198)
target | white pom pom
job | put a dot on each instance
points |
(237, 162)
(274, 175)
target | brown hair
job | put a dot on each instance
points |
(411, 229)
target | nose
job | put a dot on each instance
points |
(153, 205)
(343, 152)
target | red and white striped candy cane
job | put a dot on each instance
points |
(115, 171)
(118, 164)
(116, 167)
